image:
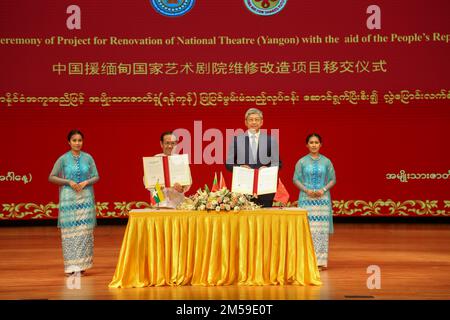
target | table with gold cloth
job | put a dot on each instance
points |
(174, 247)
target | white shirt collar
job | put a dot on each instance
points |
(255, 134)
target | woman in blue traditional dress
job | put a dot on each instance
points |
(314, 175)
(75, 172)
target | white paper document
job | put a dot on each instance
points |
(244, 179)
(267, 180)
(179, 170)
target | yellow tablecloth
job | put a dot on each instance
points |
(260, 247)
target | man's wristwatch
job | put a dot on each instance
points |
(324, 189)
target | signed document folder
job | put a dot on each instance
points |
(255, 181)
(167, 170)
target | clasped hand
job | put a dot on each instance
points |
(315, 193)
(78, 186)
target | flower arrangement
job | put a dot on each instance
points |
(221, 200)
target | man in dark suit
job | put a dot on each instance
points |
(254, 149)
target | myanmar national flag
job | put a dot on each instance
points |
(158, 194)
(215, 186)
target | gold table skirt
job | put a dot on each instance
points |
(173, 247)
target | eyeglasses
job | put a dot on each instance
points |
(170, 143)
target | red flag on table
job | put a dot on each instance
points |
(215, 186)
(152, 200)
(222, 183)
(282, 195)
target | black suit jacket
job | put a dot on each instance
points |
(239, 152)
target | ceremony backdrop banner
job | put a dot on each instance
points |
(371, 78)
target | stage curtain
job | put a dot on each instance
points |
(260, 247)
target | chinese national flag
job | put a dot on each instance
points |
(222, 183)
(282, 195)
(152, 200)
(215, 186)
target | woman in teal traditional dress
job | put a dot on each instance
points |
(75, 172)
(314, 175)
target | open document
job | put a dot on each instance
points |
(255, 181)
(167, 170)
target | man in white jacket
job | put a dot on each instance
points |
(173, 195)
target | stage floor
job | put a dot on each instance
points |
(414, 261)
